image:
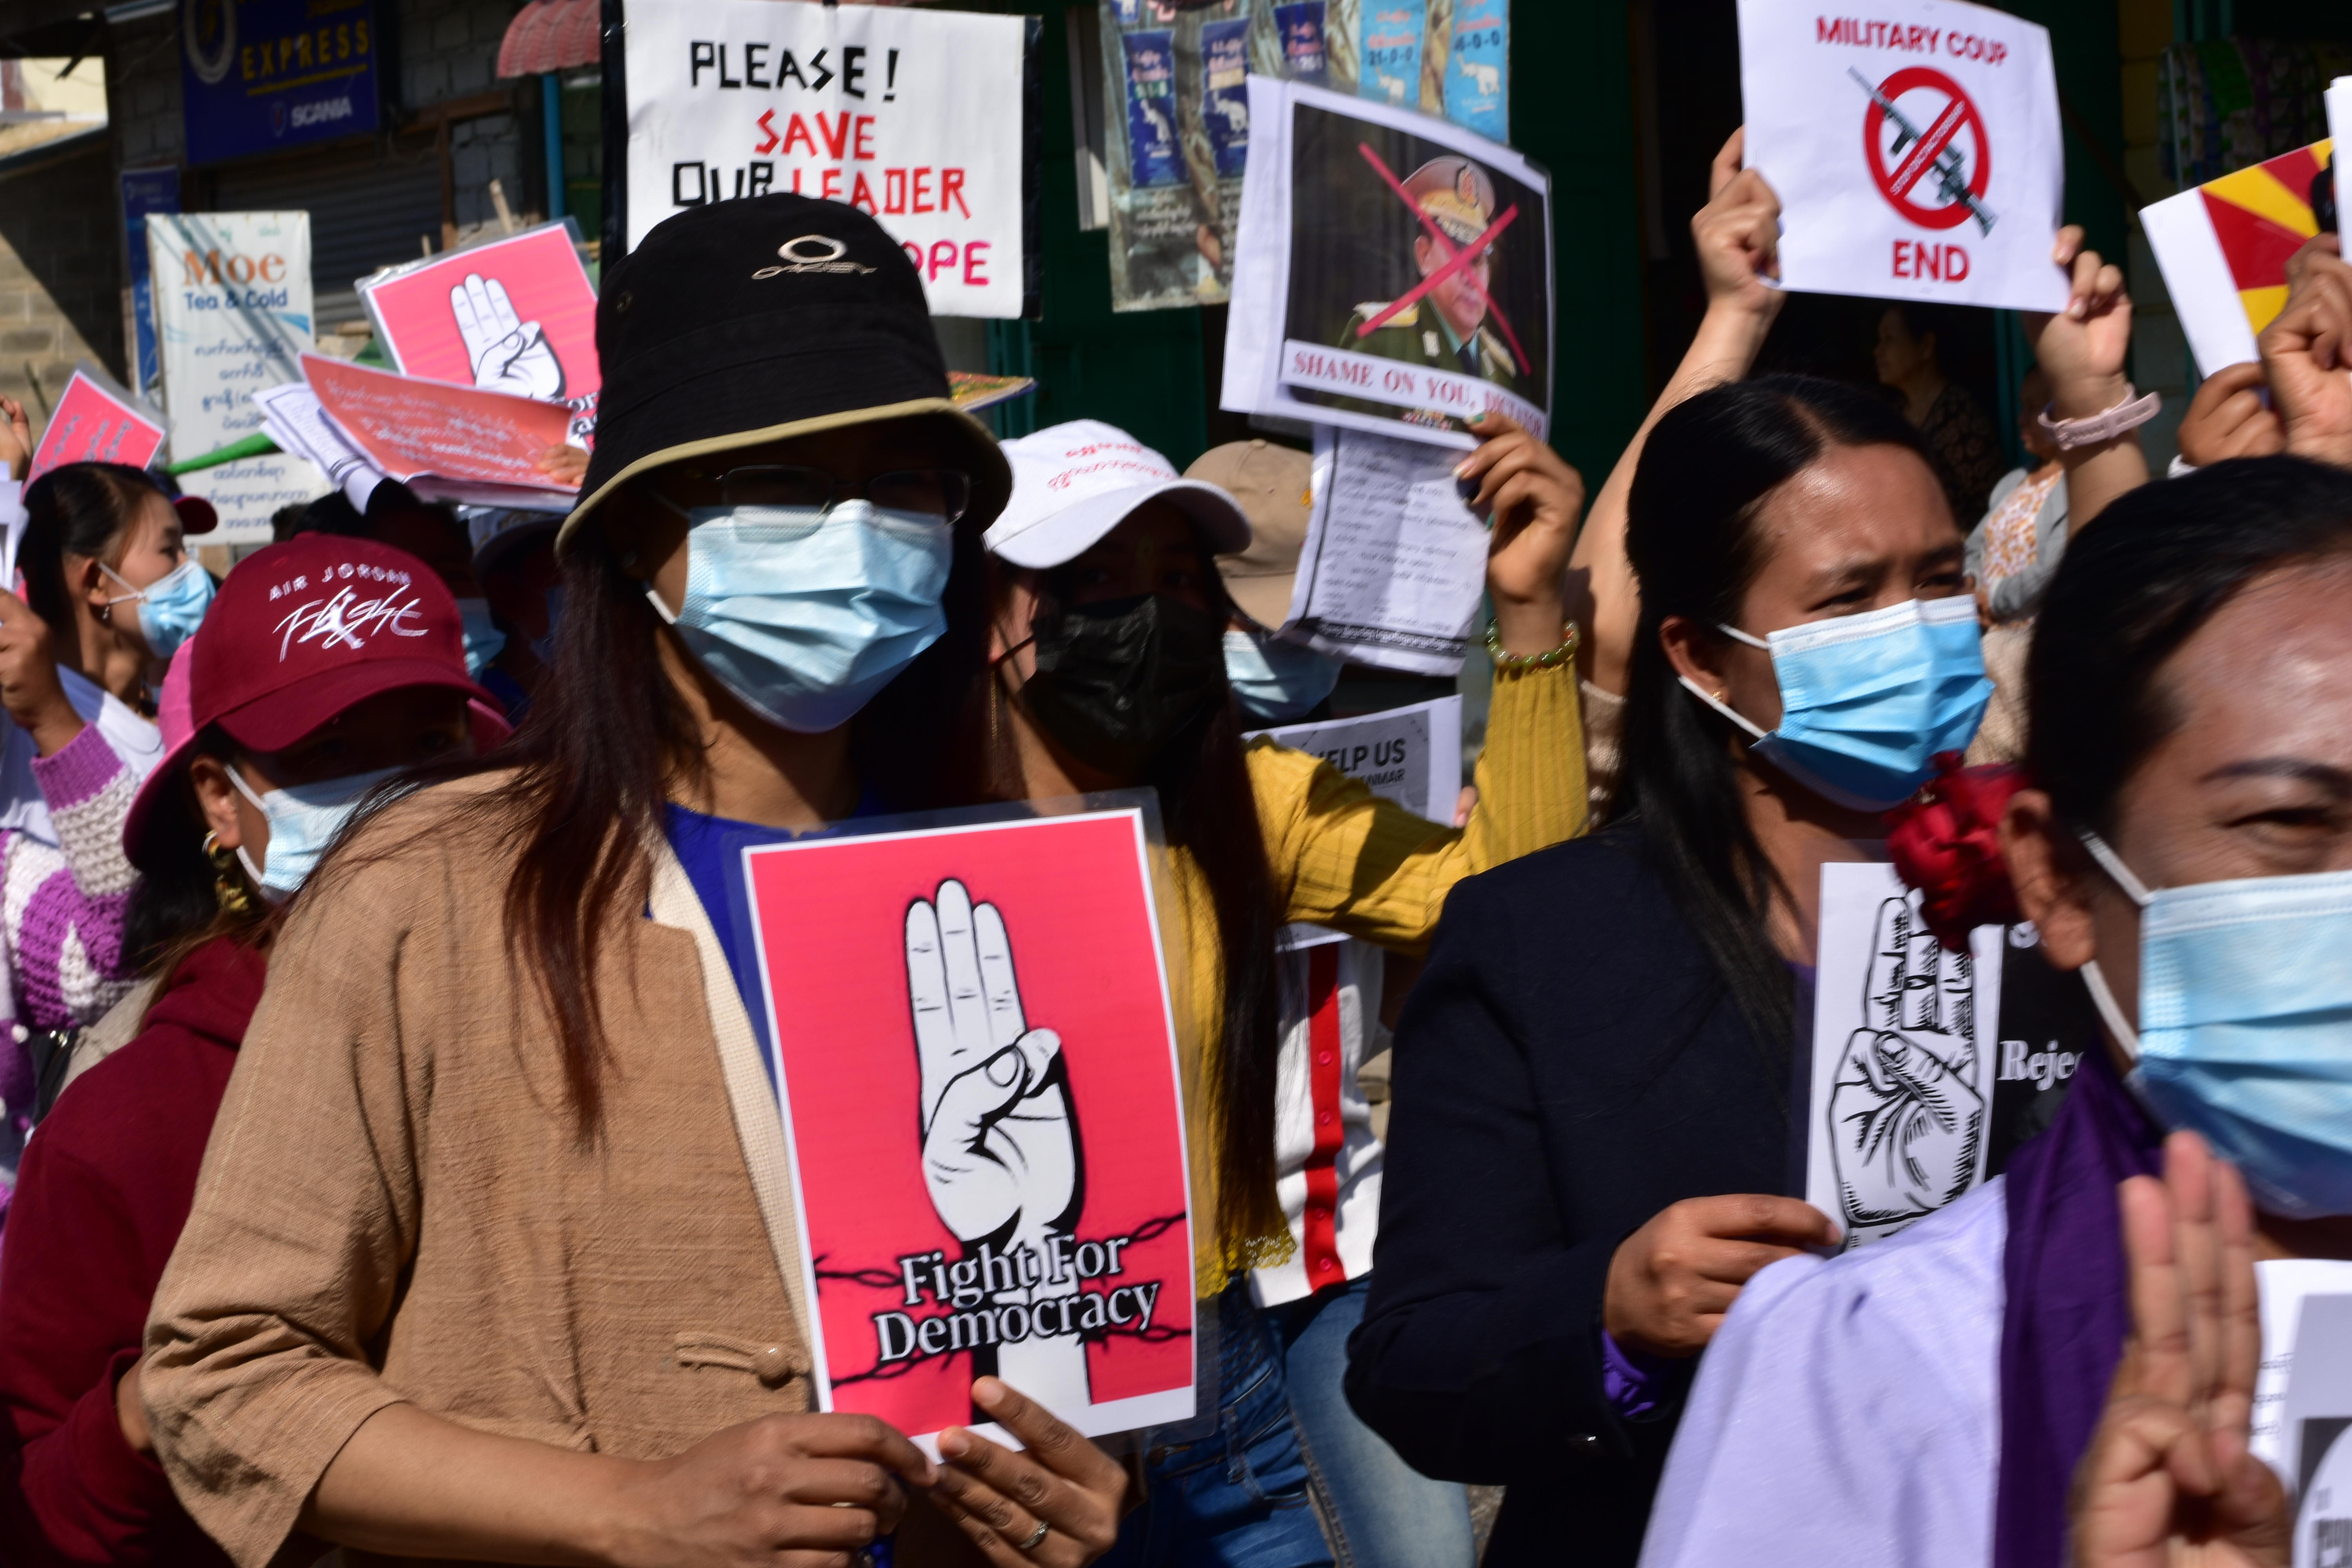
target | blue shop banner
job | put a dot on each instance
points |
(260, 75)
(145, 191)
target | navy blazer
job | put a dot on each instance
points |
(1570, 1063)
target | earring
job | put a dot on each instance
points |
(228, 878)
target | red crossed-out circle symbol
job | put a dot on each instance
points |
(1918, 162)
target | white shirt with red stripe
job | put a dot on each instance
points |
(1327, 1161)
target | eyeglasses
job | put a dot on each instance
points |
(943, 493)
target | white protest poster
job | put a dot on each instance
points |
(2311, 1452)
(1915, 150)
(2284, 1285)
(1393, 567)
(1410, 755)
(914, 117)
(1903, 1057)
(1392, 272)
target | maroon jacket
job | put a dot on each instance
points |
(102, 1198)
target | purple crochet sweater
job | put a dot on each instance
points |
(62, 909)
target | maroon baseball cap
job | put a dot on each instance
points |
(298, 634)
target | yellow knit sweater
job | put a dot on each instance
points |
(1343, 857)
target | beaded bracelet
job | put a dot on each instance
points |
(1516, 661)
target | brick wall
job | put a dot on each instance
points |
(450, 48)
(60, 297)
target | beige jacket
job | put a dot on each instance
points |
(394, 1206)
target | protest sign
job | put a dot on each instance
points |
(1926, 1067)
(517, 315)
(1393, 273)
(233, 313)
(922, 119)
(976, 1055)
(2284, 1286)
(294, 420)
(260, 76)
(1410, 755)
(96, 421)
(446, 443)
(2223, 248)
(1393, 565)
(1916, 150)
(2339, 126)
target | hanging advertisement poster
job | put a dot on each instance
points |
(96, 421)
(1394, 272)
(517, 315)
(1478, 68)
(1175, 152)
(232, 296)
(1388, 66)
(1916, 151)
(974, 1047)
(2223, 248)
(924, 119)
(1302, 48)
(260, 76)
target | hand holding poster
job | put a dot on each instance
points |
(449, 443)
(1915, 150)
(1393, 272)
(517, 315)
(916, 118)
(1393, 566)
(95, 422)
(977, 1061)
(2223, 248)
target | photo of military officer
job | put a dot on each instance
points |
(1446, 329)
(1405, 249)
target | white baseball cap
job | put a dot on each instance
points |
(1074, 483)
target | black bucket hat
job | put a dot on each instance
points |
(755, 321)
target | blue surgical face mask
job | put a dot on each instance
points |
(2245, 1026)
(1275, 681)
(1868, 701)
(303, 821)
(483, 641)
(172, 608)
(805, 615)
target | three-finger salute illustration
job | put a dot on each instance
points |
(507, 354)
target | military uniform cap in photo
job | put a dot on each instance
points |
(300, 633)
(1458, 196)
(1274, 486)
(1074, 483)
(1914, 148)
(743, 322)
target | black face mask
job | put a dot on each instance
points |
(1117, 682)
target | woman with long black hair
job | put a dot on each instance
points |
(1591, 1125)
(497, 1255)
(1108, 671)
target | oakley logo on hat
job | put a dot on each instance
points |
(829, 260)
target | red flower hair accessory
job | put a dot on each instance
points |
(1946, 842)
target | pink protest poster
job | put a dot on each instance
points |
(415, 429)
(517, 315)
(93, 425)
(977, 1061)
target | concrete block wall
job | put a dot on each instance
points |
(61, 301)
(450, 48)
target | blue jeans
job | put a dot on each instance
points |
(1236, 1496)
(1385, 1513)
